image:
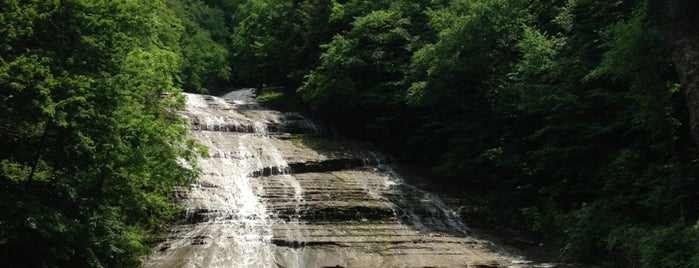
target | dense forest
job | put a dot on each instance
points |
(91, 142)
(573, 119)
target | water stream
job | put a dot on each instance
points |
(276, 193)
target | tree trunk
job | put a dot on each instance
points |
(678, 25)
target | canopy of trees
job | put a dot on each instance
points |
(566, 117)
(91, 144)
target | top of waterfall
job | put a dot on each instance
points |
(243, 94)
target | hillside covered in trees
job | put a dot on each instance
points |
(569, 118)
(566, 117)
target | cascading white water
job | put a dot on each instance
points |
(249, 210)
(230, 225)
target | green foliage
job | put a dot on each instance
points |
(456, 78)
(277, 42)
(269, 97)
(363, 65)
(671, 246)
(567, 109)
(265, 39)
(204, 53)
(281, 101)
(88, 114)
(361, 77)
(564, 115)
(605, 143)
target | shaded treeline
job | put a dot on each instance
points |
(566, 117)
(91, 142)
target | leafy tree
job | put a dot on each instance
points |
(266, 40)
(362, 69)
(203, 45)
(606, 140)
(456, 84)
(95, 145)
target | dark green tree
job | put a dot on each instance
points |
(203, 45)
(88, 115)
(265, 42)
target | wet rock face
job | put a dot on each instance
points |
(275, 193)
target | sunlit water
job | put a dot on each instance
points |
(247, 209)
(230, 224)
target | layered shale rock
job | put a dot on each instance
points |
(276, 193)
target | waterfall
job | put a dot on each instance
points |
(276, 193)
(228, 225)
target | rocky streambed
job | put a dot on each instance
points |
(276, 192)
